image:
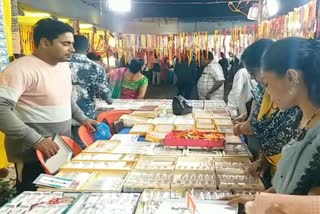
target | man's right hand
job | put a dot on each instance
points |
(47, 147)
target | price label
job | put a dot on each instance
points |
(191, 204)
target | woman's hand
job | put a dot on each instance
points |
(273, 209)
(270, 190)
(238, 119)
(237, 129)
(258, 167)
(243, 128)
(281, 209)
(238, 199)
(255, 167)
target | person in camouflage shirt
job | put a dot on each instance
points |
(88, 80)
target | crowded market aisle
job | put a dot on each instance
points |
(92, 122)
(122, 163)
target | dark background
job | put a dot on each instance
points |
(191, 10)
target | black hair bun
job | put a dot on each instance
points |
(136, 65)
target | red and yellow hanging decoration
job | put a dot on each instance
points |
(300, 22)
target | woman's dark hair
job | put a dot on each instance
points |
(94, 56)
(49, 29)
(251, 57)
(136, 65)
(299, 54)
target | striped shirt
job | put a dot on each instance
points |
(35, 101)
(211, 74)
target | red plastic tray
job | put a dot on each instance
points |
(173, 141)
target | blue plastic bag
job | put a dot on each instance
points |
(102, 132)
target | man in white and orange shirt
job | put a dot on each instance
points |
(211, 82)
(35, 100)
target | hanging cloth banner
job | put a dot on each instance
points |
(224, 41)
(211, 43)
(93, 34)
(220, 41)
(5, 36)
(14, 45)
(76, 26)
(318, 27)
(153, 42)
(148, 43)
(311, 25)
(207, 44)
(144, 41)
(216, 41)
(170, 52)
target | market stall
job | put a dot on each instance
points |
(128, 165)
(158, 162)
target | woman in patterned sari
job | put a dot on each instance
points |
(273, 128)
(129, 83)
(292, 78)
